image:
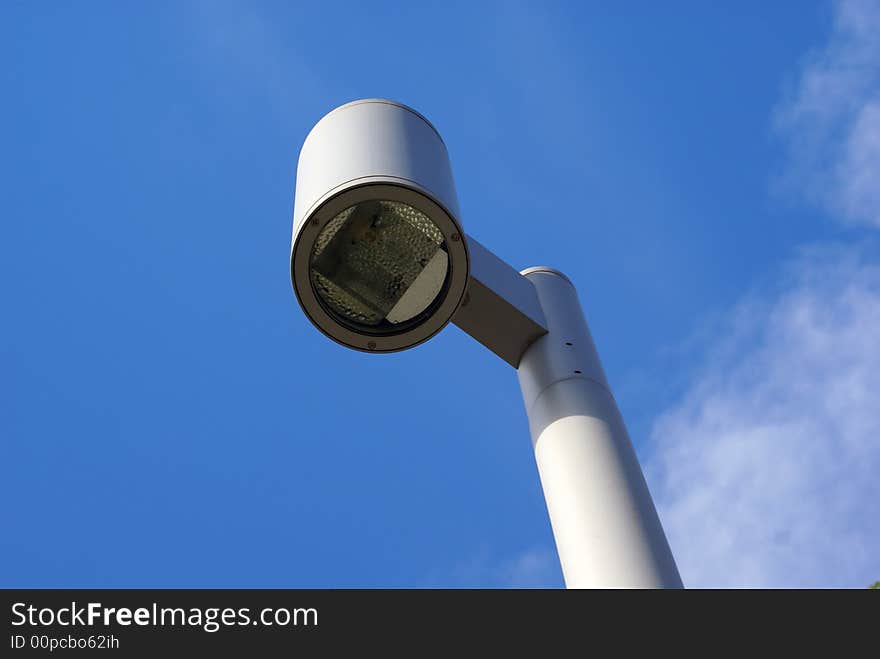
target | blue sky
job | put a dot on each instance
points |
(707, 175)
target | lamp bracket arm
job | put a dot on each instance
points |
(500, 308)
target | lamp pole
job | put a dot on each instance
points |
(379, 263)
(607, 531)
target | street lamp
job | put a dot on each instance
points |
(380, 263)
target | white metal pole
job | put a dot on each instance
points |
(607, 531)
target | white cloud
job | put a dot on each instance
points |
(535, 567)
(767, 473)
(832, 118)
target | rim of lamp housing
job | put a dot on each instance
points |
(380, 188)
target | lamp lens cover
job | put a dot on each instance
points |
(380, 267)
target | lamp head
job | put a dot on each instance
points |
(378, 259)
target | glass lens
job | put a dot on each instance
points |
(379, 264)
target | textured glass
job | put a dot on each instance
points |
(379, 263)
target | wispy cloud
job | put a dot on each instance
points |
(535, 567)
(832, 118)
(766, 471)
(243, 54)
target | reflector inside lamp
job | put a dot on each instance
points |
(380, 266)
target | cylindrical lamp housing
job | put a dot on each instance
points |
(378, 259)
